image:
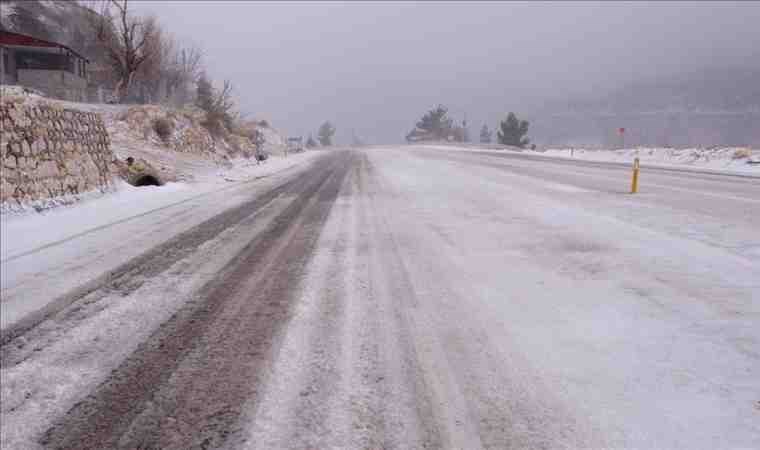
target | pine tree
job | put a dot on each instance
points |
(485, 135)
(435, 124)
(326, 133)
(310, 143)
(512, 131)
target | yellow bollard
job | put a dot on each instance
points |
(635, 180)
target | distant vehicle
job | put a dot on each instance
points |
(295, 144)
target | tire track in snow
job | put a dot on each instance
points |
(307, 378)
(184, 387)
(130, 275)
(349, 373)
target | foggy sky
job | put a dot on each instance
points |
(377, 66)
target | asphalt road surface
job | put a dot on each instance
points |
(403, 297)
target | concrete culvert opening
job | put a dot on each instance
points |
(146, 180)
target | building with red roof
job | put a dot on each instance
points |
(55, 69)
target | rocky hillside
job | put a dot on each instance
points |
(175, 142)
(63, 21)
(143, 144)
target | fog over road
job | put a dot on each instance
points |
(402, 297)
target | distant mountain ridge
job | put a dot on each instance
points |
(718, 106)
(714, 90)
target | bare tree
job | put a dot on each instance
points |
(129, 41)
(218, 105)
(183, 68)
(150, 77)
(224, 106)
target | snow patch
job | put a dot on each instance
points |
(565, 188)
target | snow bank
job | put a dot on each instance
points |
(724, 159)
(25, 229)
(734, 159)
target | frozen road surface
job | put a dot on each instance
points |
(399, 297)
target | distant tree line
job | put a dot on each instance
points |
(325, 134)
(436, 125)
(513, 131)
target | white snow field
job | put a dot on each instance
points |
(453, 299)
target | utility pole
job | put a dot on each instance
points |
(465, 132)
(258, 142)
(621, 132)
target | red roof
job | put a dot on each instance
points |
(10, 38)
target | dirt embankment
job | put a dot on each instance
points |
(53, 151)
(174, 142)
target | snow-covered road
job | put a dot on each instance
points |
(406, 298)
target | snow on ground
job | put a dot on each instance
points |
(733, 159)
(723, 159)
(544, 308)
(502, 305)
(567, 322)
(94, 209)
(38, 390)
(24, 235)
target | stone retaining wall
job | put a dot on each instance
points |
(48, 152)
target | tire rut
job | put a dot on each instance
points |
(185, 386)
(132, 274)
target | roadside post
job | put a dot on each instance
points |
(621, 133)
(258, 142)
(635, 178)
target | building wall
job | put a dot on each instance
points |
(47, 152)
(55, 83)
(8, 75)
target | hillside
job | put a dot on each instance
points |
(74, 153)
(718, 107)
(63, 21)
(714, 90)
(167, 143)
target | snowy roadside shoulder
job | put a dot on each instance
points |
(477, 148)
(243, 169)
(24, 228)
(734, 160)
(724, 159)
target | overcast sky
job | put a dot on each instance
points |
(377, 66)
